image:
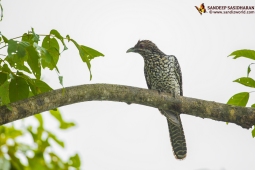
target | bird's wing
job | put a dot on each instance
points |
(178, 73)
(146, 75)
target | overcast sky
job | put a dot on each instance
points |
(114, 136)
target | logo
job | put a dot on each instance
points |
(201, 9)
(230, 9)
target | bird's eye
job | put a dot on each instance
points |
(141, 46)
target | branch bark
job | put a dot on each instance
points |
(242, 116)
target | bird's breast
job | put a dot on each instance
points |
(160, 75)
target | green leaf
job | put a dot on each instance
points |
(253, 132)
(87, 54)
(16, 52)
(29, 38)
(24, 44)
(90, 52)
(75, 161)
(37, 162)
(246, 81)
(12, 133)
(24, 76)
(21, 52)
(15, 161)
(56, 114)
(253, 105)
(15, 59)
(34, 135)
(47, 60)
(46, 57)
(248, 70)
(243, 53)
(22, 67)
(33, 61)
(239, 99)
(5, 39)
(66, 125)
(38, 86)
(57, 162)
(62, 122)
(4, 93)
(57, 35)
(60, 80)
(49, 52)
(39, 119)
(42, 86)
(3, 78)
(43, 144)
(54, 138)
(18, 89)
(35, 36)
(6, 69)
(12, 47)
(50, 43)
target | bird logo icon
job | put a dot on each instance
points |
(201, 9)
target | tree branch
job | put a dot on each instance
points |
(243, 116)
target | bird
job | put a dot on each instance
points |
(163, 73)
(201, 9)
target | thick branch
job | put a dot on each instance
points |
(243, 116)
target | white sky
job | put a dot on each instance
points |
(113, 136)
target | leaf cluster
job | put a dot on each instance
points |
(39, 154)
(242, 98)
(21, 67)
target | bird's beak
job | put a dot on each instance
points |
(131, 50)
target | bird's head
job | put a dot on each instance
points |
(145, 48)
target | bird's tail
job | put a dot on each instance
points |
(177, 136)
